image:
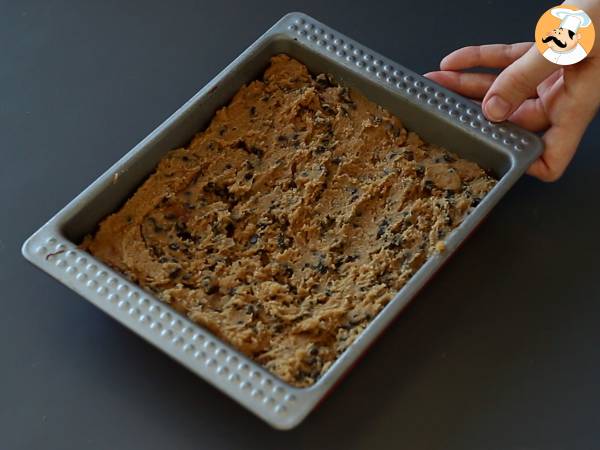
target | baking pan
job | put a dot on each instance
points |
(436, 114)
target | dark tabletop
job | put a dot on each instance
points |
(500, 351)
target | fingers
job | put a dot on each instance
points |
(519, 81)
(549, 82)
(573, 109)
(561, 143)
(495, 55)
(531, 115)
(515, 84)
(473, 85)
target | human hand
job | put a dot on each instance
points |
(531, 92)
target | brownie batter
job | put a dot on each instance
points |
(292, 220)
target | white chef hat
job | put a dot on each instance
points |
(572, 20)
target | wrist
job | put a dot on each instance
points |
(592, 8)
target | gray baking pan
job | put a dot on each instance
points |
(437, 114)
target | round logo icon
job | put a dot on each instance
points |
(564, 35)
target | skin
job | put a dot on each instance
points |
(532, 92)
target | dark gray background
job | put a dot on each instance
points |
(500, 351)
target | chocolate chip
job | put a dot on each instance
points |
(282, 241)
(257, 151)
(229, 229)
(208, 285)
(324, 81)
(326, 224)
(185, 235)
(395, 131)
(253, 111)
(241, 144)
(395, 242)
(174, 273)
(448, 158)
(156, 250)
(212, 290)
(382, 228)
(253, 239)
(344, 95)
(321, 268)
(328, 109)
(248, 176)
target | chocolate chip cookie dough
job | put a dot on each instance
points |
(292, 220)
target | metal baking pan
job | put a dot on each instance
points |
(435, 113)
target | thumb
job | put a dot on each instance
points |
(515, 84)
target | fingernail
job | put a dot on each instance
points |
(497, 109)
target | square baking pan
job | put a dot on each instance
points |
(436, 114)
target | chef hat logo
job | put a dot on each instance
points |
(565, 35)
(571, 20)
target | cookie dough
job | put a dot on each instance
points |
(292, 220)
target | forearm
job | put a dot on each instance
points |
(592, 8)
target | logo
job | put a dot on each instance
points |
(564, 35)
